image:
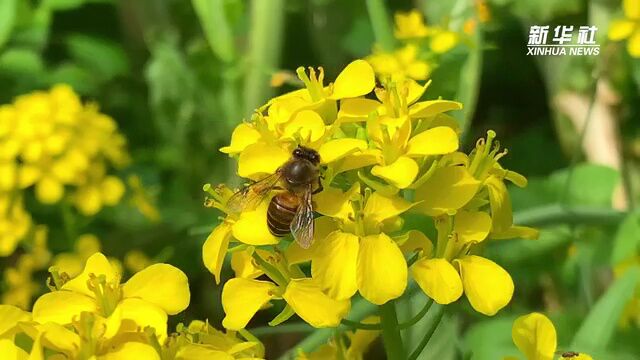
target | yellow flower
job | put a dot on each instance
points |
(144, 300)
(89, 336)
(350, 345)
(410, 25)
(142, 199)
(243, 297)
(51, 141)
(72, 263)
(200, 340)
(404, 63)
(347, 258)
(535, 336)
(15, 222)
(628, 28)
(18, 279)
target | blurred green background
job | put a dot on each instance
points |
(177, 76)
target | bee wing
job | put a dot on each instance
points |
(302, 223)
(251, 195)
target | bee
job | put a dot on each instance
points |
(291, 210)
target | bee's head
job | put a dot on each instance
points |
(311, 155)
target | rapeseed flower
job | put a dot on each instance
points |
(628, 28)
(144, 300)
(535, 336)
(349, 345)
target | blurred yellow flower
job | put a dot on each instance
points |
(628, 28)
(142, 199)
(410, 25)
(535, 336)
(403, 63)
(51, 141)
(15, 222)
(136, 260)
(72, 263)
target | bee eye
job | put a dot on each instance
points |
(297, 152)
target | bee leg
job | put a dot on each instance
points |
(320, 187)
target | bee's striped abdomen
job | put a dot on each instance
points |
(280, 213)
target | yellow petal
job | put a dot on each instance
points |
(400, 173)
(11, 351)
(438, 279)
(472, 226)
(361, 340)
(444, 41)
(242, 298)
(535, 336)
(131, 351)
(376, 283)
(501, 213)
(49, 190)
(514, 232)
(355, 80)
(138, 314)
(97, 264)
(112, 190)
(631, 9)
(335, 203)
(59, 338)
(633, 44)
(163, 285)
(621, 29)
(215, 248)
(352, 110)
(198, 351)
(488, 287)
(313, 306)
(61, 307)
(435, 141)
(307, 124)
(448, 189)
(252, 229)
(243, 265)
(380, 207)
(336, 149)
(260, 159)
(243, 135)
(295, 254)
(88, 200)
(415, 240)
(358, 160)
(334, 264)
(429, 108)
(10, 316)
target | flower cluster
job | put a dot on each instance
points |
(385, 155)
(95, 316)
(51, 142)
(420, 46)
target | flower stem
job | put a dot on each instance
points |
(414, 320)
(381, 25)
(429, 333)
(390, 331)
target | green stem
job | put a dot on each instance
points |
(359, 325)
(270, 270)
(250, 337)
(429, 333)
(381, 24)
(265, 42)
(414, 320)
(390, 331)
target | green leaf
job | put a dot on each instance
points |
(17, 61)
(7, 19)
(491, 339)
(63, 4)
(216, 27)
(627, 239)
(104, 58)
(598, 328)
(78, 78)
(589, 184)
